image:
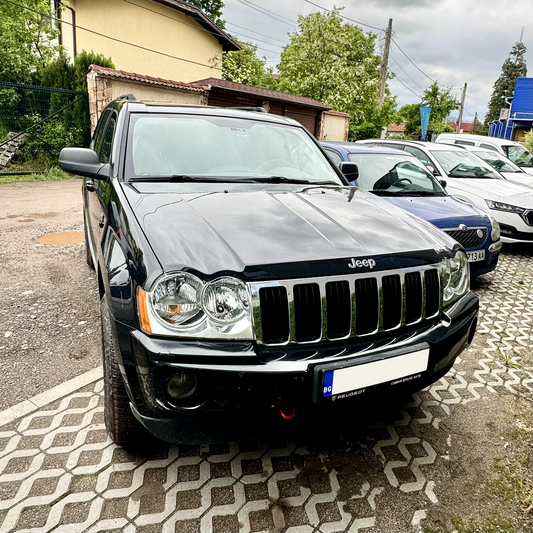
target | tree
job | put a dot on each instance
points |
(442, 102)
(245, 66)
(335, 63)
(27, 39)
(212, 8)
(513, 67)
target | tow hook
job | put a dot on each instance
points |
(287, 414)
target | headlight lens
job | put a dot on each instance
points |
(495, 232)
(176, 299)
(225, 300)
(455, 278)
(500, 206)
(184, 305)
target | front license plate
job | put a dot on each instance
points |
(476, 255)
(353, 380)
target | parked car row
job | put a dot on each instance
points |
(472, 180)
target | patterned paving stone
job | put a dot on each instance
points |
(60, 472)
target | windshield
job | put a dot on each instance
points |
(458, 164)
(208, 148)
(498, 162)
(519, 155)
(389, 174)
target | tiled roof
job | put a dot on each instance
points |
(337, 113)
(259, 91)
(465, 126)
(141, 78)
(396, 128)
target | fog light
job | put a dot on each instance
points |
(182, 385)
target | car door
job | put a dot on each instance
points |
(99, 190)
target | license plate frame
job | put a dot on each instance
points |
(475, 255)
(390, 368)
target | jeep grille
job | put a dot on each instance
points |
(357, 305)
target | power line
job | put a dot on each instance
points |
(252, 31)
(273, 12)
(51, 17)
(266, 12)
(400, 67)
(346, 18)
(405, 84)
(260, 40)
(419, 69)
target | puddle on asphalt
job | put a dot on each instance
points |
(63, 237)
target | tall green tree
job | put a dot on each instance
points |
(513, 67)
(245, 66)
(212, 8)
(335, 63)
(27, 39)
(442, 102)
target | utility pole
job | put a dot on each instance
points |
(384, 71)
(460, 119)
(385, 64)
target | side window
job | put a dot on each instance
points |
(468, 143)
(107, 142)
(334, 155)
(489, 147)
(419, 154)
(96, 143)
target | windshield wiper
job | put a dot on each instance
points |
(386, 192)
(284, 179)
(182, 178)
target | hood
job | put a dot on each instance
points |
(233, 229)
(492, 189)
(520, 178)
(442, 211)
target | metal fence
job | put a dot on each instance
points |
(37, 122)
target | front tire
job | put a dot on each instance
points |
(123, 428)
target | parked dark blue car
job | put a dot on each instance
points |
(402, 180)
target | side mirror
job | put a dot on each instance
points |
(443, 183)
(350, 170)
(81, 161)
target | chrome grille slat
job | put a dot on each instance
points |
(383, 301)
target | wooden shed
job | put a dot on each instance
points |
(306, 111)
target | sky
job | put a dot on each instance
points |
(451, 41)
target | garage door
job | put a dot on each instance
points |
(305, 116)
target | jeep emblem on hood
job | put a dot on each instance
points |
(369, 263)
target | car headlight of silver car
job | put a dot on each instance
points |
(495, 231)
(181, 304)
(508, 208)
(455, 278)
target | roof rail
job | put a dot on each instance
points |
(128, 96)
(249, 108)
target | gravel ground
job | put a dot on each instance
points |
(49, 312)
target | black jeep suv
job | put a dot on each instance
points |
(239, 271)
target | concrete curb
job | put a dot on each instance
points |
(49, 396)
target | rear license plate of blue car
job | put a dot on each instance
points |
(344, 380)
(476, 255)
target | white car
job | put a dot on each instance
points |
(503, 165)
(470, 179)
(511, 149)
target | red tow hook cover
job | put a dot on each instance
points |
(289, 416)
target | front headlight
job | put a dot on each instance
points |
(495, 232)
(508, 208)
(182, 304)
(455, 278)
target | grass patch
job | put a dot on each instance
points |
(493, 524)
(52, 174)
